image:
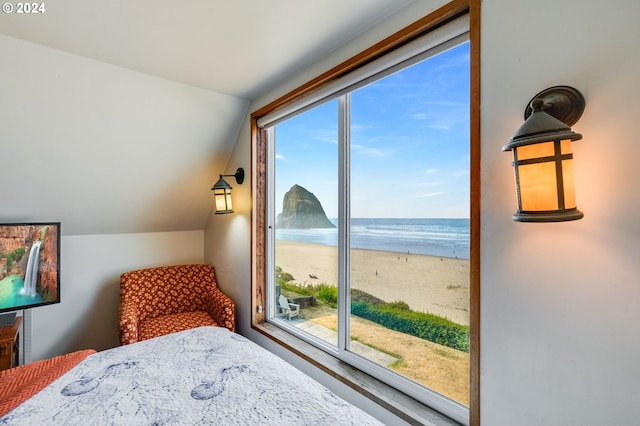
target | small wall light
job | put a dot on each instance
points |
(222, 192)
(542, 156)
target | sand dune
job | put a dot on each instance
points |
(426, 283)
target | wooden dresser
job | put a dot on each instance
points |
(10, 345)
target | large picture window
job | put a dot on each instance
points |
(368, 216)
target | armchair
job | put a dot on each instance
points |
(168, 299)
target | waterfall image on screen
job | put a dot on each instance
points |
(29, 265)
(31, 275)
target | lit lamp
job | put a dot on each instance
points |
(222, 192)
(542, 157)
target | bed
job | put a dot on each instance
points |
(206, 375)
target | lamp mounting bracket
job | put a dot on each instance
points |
(562, 102)
(238, 175)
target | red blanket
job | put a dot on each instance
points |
(20, 383)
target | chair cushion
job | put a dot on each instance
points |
(173, 323)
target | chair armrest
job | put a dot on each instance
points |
(128, 323)
(222, 309)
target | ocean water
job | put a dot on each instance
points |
(435, 237)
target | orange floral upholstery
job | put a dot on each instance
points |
(167, 299)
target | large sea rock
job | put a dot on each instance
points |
(302, 210)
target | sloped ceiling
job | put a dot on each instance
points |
(117, 116)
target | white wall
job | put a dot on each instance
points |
(559, 302)
(560, 343)
(106, 150)
(90, 270)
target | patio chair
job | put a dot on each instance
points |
(289, 310)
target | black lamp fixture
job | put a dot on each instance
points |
(542, 156)
(222, 192)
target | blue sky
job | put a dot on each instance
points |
(409, 144)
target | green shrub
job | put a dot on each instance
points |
(19, 252)
(295, 288)
(398, 305)
(328, 294)
(423, 325)
(282, 276)
(364, 297)
(15, 256)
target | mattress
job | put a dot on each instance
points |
(202, 376)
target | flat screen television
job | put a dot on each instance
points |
(29, 265)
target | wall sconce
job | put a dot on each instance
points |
(222, 192)
(542, 156)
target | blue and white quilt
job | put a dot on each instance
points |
(203, 376)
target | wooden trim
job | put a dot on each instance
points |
(475, 191)
(437, 18)
(258, 286)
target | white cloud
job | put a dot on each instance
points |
(440, 126)
(420, 116)
(460, 173)
(430, 194)
(374, 152)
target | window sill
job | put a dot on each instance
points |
(396, 402)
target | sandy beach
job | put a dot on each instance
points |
(427, 283)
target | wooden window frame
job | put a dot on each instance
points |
(378, 391)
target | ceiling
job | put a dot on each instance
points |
(117, 116)
(236, 47)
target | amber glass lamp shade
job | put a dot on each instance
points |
(222, 197)
(543, 164)
(222, 192)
